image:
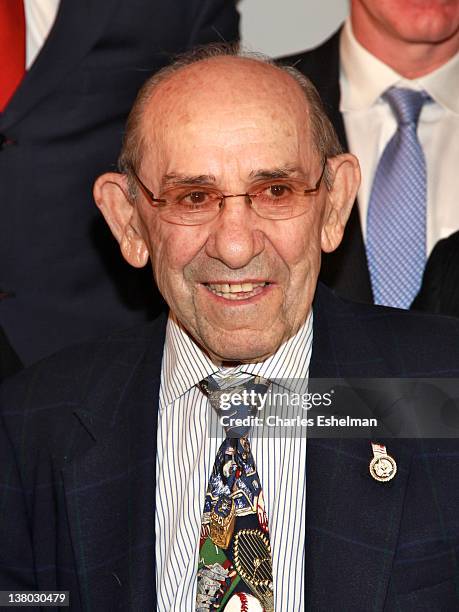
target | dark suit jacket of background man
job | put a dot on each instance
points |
(346, 269)
(440, 285)
(63, 127)
(78, 456)
(9, 361)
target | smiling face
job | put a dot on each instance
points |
(240, 284)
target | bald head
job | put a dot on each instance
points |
(221, 73)
(226, 79)
(223, 83)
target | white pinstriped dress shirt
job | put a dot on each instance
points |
(186, 454)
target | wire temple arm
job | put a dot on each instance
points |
(317, 185)
(150, 194)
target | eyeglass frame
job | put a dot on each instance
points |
(152, 199)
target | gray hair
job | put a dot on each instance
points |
(324, 136)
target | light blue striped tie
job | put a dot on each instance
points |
(396, 224)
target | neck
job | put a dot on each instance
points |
(410, 59)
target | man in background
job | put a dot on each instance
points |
(69, 73)
(389, 79)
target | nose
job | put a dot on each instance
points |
(236, 237)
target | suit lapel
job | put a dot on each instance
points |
(77, 26)
(352, 524)
(346, 269)
(352, 521)
(110, 485)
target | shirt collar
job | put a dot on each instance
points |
(185, 364)
(442, 85)
(364, 78)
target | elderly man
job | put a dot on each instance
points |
(389, 79)
(232, 183)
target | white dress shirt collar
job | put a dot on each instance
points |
(364, 78)
(39, 18)
(188, 364)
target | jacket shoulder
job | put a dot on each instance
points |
(370, 340)
(64, 379)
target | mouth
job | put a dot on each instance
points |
(238, 291)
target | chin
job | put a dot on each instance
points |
(428, 26)
(249, 351)
(243, 356)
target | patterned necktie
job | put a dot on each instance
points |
(235, 562)
(396, 225)
(12, 48)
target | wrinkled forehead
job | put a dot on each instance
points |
(231, 104)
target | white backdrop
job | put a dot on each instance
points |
(279, 27)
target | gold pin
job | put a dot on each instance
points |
(382, 467)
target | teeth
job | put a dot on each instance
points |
(228, 290)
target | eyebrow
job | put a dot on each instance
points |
(172, 180)
(278, 173)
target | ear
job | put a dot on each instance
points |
(343, 172)
(111, 196)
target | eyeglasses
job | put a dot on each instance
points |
(196, 204)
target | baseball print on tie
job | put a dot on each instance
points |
(396, 224)
(235, 564)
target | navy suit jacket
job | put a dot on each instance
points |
(346, 269)
(58, 262)
(9, 361)
(78, 456)
(440, 285)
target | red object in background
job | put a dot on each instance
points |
(12, 48)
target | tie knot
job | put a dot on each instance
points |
(235, 401)
(406, 104)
